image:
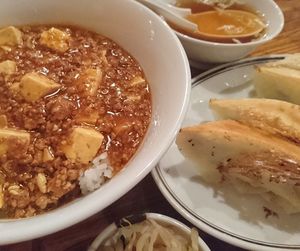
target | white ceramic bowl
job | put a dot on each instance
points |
(108, 232)
(211, 52)
(156, 47)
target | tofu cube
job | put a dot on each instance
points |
(47, 155)
(137, 81)
(3, 121)
(91, 80)
(34, 86)
(55, 39)
(83, 145)
(5, 48)
(103, 57)
(11, 139)
(7, 67)
(10, 36)
(132, 98)
(89, 118)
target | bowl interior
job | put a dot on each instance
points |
(153, 44)
(272, 15)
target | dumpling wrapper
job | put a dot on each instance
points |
(274, 116)
(249, 159)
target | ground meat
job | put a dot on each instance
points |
(60, 108)
(39, 177)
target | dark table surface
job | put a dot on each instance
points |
(146, 197)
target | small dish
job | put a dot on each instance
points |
(241, 220)
(165, 220)
(216, 53)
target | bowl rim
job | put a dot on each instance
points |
(275, 8)
(108, 231)
(68, 215)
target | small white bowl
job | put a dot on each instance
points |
(212, 52)
(108, 232)
(155, 46)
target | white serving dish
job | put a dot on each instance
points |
(156, 47)
(109, 231)
(215, 53)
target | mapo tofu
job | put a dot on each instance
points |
(67, 96)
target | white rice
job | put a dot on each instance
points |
(96, 175)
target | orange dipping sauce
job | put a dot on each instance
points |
(222, 25)
(226, 23)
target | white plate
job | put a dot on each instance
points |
(239, 220)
